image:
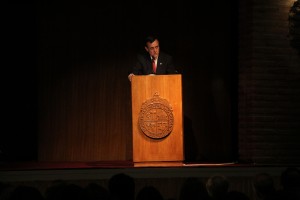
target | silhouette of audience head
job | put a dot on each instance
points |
(23, 192)
(61, 190)
(290, 182)
(236, 195)
(95, 191)
(73, 191)
(290, 178)
(149, 193)
(193, 188)
(217, 186)
(121, 187)
(53, 192)
(5, 190)
(263, 186)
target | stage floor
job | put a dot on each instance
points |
(29, 171)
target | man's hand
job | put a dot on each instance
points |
(130, 76)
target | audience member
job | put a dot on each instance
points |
(263, 186)
(95, 191)
(121, 187)
(217, 187)
(72, 191)
(149, 193)
(236, 195)
(53, 192)
(23, 192)
(61, 190)
(5, 190)
(290, 182)
(193, 188)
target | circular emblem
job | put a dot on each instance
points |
(156, 118)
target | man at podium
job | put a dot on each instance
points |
(153, 61)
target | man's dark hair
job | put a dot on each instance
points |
(150, 38)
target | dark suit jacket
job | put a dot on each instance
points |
(165, 65)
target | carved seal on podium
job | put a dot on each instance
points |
(156, 118)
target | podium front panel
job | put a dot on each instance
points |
(157, 120)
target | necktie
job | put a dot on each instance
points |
(153, 65)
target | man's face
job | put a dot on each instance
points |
(153, 49)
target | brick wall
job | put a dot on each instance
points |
(269, 84)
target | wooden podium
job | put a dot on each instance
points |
(157, 120)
